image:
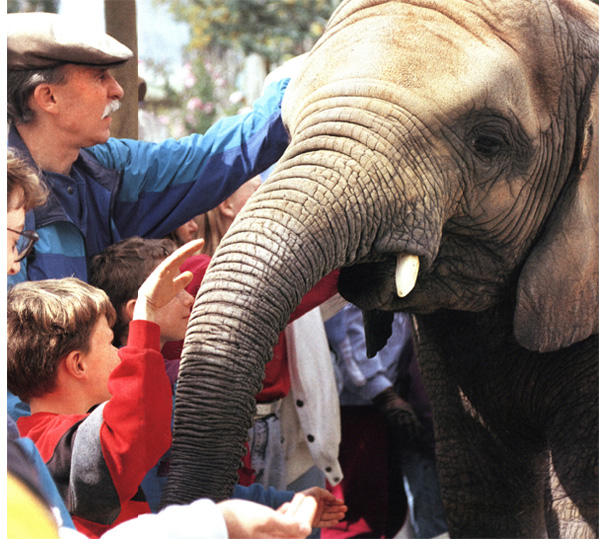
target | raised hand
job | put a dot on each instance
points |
(165, 282)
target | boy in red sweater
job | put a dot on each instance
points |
(100, 416)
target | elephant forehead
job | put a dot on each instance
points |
(456, 63)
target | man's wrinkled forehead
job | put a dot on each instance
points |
(45, 40)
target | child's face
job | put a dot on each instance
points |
(174, 317)
(101, 359)
(187, 231)
(15, 220)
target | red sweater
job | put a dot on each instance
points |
(276, 383)
(99, 459)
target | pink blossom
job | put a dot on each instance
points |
(189, 78)
(195, 103)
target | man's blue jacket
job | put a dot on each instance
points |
(127, 188)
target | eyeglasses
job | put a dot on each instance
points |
(25, 243)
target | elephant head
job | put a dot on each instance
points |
(444, 154)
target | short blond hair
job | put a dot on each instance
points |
(47, 320)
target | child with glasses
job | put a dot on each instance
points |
(24, 192)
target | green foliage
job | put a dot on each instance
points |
(274, 29)
(223, 34)
(27, 6)
(199, 96)
(204, 97)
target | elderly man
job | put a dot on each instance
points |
(61, 96)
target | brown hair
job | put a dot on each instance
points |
(212, 229)
(47, 320)
(122, 268)
(22, 181)
(213, 225)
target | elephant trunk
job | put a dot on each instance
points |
(305, 221)
(224, 358)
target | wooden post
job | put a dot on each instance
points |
(121, 23)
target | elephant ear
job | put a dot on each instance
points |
(558, 289)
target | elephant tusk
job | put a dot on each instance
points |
(406, 273)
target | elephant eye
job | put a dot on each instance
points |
(487, 145)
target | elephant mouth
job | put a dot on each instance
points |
(390, 284)
(397, 283)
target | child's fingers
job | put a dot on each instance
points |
(192, 246)
(183, 279)
(336, 516)
(283, 508)
(333, 513)
(185, 251)
(294, 504)
(300, 509)
(306, 510)
(176, 258)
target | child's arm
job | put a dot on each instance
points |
(129, 433)
(164, 283)
(323, 290)
(235, 519)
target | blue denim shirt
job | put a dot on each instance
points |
(359, 378)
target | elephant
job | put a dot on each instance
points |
(444, 155)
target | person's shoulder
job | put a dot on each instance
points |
(44, 421)
(47, 429)
(114, 146)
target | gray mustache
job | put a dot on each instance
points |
(113, 106)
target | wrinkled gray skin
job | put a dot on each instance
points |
(465, 133)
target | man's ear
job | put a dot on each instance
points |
(44, 99)
(74, 365)
(227, 209)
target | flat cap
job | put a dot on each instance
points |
(43, 40)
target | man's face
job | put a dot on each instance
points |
(15, 219)
(242, 195)
(84, 99)
(101, 359)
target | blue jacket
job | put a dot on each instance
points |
(127, 188)
(35, 469)
(265, 496)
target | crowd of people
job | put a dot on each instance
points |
(107, 244)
